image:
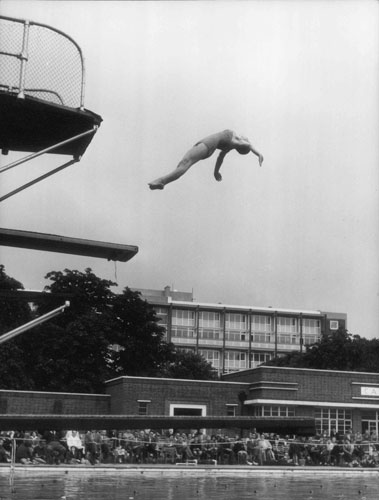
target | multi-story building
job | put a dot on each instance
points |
(232, 337)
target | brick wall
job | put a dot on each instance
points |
(39, 403)
(126, 391)
(311, 385)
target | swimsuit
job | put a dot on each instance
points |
(221, 140)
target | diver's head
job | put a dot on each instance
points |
(243, 149)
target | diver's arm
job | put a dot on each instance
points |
(257, 153)
(219, 161)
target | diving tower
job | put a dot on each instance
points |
(42, 86)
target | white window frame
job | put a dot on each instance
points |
(173, 406)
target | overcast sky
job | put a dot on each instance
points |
(300, 79)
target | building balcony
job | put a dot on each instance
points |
(217, 343)
(181, 340)
(231, 343)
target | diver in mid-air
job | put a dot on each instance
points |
(226, 141)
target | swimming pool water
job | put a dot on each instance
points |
(171, 485)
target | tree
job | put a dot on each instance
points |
(85, 291)
(75, 352)
(339, 350)
(189, 365)
(13, 313)
(143, 349)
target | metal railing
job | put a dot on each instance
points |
(39, 61)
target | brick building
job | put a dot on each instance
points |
(268, 398)
(332, 399)
(234, 337)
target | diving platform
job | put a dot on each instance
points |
(63, 244)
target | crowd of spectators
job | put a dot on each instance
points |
(152, 447)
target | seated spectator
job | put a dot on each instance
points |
(4, 455)
(252, 448)
(326, 452)
(280, 449)
(168, 449)
(335, 455)
(56, 452)
(347, 452)
(186, 448)
(138, 446)
(24, 453)
(40, 452)
(120, 454)
(197, 446)
(105, 446)
(74, 446)
(151, 447)
(358, 437)
(270, 456)
(91, 451)
(225, 451)
(294, 451)
(265, 453)
(210, 448)
(7, 438)
(313, 449)
(240, 451)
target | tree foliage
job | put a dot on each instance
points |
(75, 351)
(336, 351)
(143, 350)
(189, 365)
(101, 335)
(13, 313)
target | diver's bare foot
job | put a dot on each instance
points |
(154, 185)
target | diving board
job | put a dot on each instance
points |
(68, 245)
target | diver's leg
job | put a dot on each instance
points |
(195, 154)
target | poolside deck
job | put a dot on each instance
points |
(187, 469)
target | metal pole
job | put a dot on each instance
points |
(276, 333)
(47, 150)
(38, 179)
(13, 461)
(24, 58)
(33, 323)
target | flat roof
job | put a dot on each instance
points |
(186, 380)
(65, 244)
(123, 422)
(294, 368)
(244, 308)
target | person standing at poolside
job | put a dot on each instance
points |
(225, 141)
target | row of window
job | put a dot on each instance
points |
(327, 419)
(261, 338)
(370, 421)
(274, 411)
(234, 360)
(239, 322)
